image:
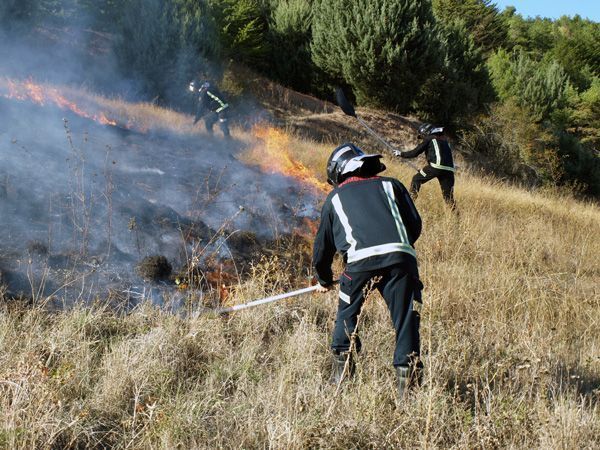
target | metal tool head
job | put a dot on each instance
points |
(343, 103)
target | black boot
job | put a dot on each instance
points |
(408, 377)
(341, 371)
(403, 380)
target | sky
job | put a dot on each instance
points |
(554, 8)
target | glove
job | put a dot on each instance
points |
(398, 153)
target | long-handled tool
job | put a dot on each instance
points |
(262, 301)
(348, 109)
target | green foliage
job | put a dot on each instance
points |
(242, 25)
(481, 18)
(538, 87)
(383, 49)
(506, 140)
(586, 115)
(580, 163)
(573, 42)
(147, 40)
(534, 36)
(197, 28)
(577, 48)
(461, 87)
(290, 32)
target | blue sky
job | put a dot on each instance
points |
(554, 8)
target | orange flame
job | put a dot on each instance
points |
(308, 229)
(36, 93)
(273, 154)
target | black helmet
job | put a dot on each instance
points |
(347, 159)
(426, 129)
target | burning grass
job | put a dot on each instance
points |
(509, 333)
(509, 336)
(275, 151)
(140, 117)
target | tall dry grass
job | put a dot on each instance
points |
(509, 337)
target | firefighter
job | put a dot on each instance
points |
(439, 158)
(211, 106)
(373, 223)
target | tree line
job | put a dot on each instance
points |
(523, 93)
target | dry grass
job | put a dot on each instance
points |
(509, 335)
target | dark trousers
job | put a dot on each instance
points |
(445, 177)
(397, 285)
(212, 117)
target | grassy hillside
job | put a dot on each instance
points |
(509, 336)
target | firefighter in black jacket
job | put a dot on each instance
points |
(440, 163)
(372, 221)
(211, 105)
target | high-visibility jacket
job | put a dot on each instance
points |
(437, 151)
(210, 98)
(372, 222)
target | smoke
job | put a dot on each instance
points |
(82, 203)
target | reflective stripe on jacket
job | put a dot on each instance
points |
(212, 99)
(437, 151)
(372, 222)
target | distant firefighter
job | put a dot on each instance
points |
(440, 163)
(211, 106)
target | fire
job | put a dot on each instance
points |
(307, 229)
(44, 95)
(273, 154)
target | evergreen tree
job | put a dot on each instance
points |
(242, 26)
(540, 87)
(197, 28)
(383, 49)
(577, 49)
(462, 86)
(147, 42)
(290, 31)
(481, 17)
(585, 116)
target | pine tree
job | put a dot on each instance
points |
(481, 17)
(462, 85)
(383, 49)
(541, 87)
(290, 31)
(147, 42)
(242, 27)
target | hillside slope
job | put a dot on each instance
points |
(509, 337)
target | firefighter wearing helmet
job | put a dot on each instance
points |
(372, 222)
(439, 158)
(211, 106)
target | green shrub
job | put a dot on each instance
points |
(506, 142)
(585, 115)
(147, 41)
(481, 18)
(540, 88)
(383, 49)
(290, 32)
(242, 26)
(581, 164)
(461, 87)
